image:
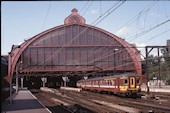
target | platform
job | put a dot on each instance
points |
(24, 102)
(71, 89)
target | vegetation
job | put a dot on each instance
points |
(153, 66)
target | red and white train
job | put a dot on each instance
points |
(124, 84)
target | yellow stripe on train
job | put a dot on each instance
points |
(137, 88)
(123, 88)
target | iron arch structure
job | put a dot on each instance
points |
(74, 48)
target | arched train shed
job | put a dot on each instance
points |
(74, 49)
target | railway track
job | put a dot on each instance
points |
(90, 102)
(144, 105)
(74, 105)
(88, 106)
(46, 101)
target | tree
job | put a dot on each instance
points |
(153, 69)
(165, 66)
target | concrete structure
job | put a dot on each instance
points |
(24, 102)
(164, 89)
(71, 89)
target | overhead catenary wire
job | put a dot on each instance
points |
(148, 30)
(138, 37)
(111, 11)
(84, 7)
(87, 8)
(137, 47)
(120, 65)
(145, 17)
(46, 15)
(165, 9)
(93, 23)
(100, 7)
(157, 25)
(148, 7)
(80, 33)
(156, 35)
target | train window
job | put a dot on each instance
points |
(108, 82)
(126, 81)
(131, 81)
(112, 82)
(137, 80)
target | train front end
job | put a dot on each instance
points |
(134, 85)
(131, 85)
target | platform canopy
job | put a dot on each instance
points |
(74, 48)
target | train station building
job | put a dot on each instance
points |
(70, 52)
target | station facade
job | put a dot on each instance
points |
(73, 49)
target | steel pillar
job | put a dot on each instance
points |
(159, 72)
(22, 82)
(16, 79)
(44, 80)
(16, 84)
(44, 83)
(65, 84)
(10, 101)
(65, 79)
(147, 75)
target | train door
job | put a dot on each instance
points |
(132, 82)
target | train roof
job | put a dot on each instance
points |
(114, 76)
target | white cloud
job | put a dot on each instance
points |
(141, 49)
(155, 15)
(140, 45)
(20, 43)
(93, 11)
(122, 31)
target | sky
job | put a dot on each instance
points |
(132, 21)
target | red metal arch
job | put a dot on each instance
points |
(15, 54)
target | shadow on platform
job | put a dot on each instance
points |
(22, 105)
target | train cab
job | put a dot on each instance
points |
(129, 84)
